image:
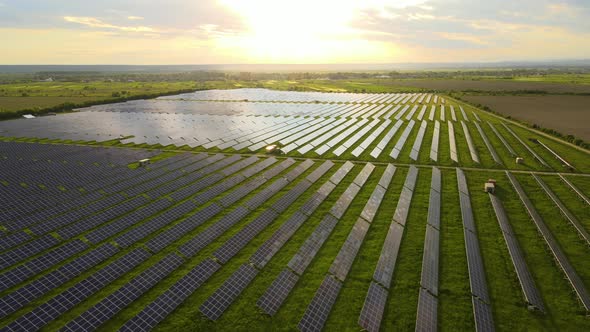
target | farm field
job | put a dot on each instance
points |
(494, 85)
(374, 218)
(566, 114)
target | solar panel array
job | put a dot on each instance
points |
(319, 309)
(372, 312)
(477, 279)
(571, 274)
(428, 299)
(531, 294)
(86, 240)
(278, 291)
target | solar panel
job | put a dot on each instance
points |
(343, 261)
(318, 310)
(312, 245)
(452, 142)
(388, 257)
(552, 243)
(225, 295)
(482, 312)
(372, 312)
(488, 144)
(530, 291)
(435, 141)
(429, 278)
(470, 144)
(160, 308)
(278, 291)
(370, 209)
(418, 142)
(426, 318)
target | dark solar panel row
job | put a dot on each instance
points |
(108, 307)
(373, 308)
(154, 224)
(477, 278)
(68, 299)
(488, 144)
(267, 250)
(470, 144)
(215, 306)
(174, 233)
(529, 289)
(571, 274)
(225, 295)
(532, 152)
(318, 310)
(160, 308)
(40, 264)
(564, 210)
(575, 189)
(370, 317)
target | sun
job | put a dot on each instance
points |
(304, 31)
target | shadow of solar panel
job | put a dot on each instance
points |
(319, 309)
(312, 245)
(482, 312)
(278, 291)
(372, 312)
(343, 261)
(427, 318)
(160, 308)
(225, 295)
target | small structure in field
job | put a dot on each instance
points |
(490, 186)
(519, 160)
(28, 116)
(273, 149)
(144, 162)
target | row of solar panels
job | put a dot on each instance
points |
(173, 234)
(273, 95)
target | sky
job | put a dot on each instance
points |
(291, 31)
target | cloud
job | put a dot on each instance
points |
(96, 23)
(134, 18)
